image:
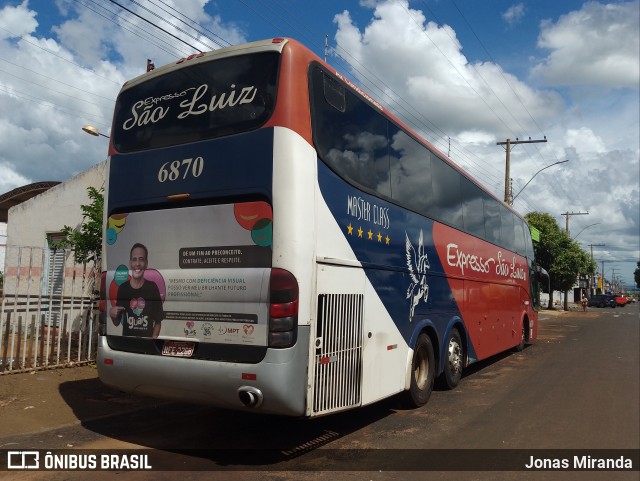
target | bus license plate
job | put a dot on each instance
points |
(178, 348)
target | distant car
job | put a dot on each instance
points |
(602, 300)
(621, 301)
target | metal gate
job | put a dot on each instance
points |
(49, 310)
(338, 358)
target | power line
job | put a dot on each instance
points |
(23, 39)
(154, 25)
(194, 22)
(35, 99)
(55, 80)
(57, 91)
(492, 60)
(109, 16)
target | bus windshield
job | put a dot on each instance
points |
(204, 101)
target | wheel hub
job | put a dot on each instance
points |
(455, 357)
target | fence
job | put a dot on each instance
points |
(47, 332)
(48, 316)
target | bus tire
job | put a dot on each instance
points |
(423, 369)
(454, 361)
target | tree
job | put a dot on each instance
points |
(563, 258)
(636, 275)
(86, 239)
(548, 248)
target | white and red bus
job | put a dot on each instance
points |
(277, 241)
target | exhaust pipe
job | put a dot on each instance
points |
(250, 396)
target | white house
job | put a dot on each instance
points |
(31, 266)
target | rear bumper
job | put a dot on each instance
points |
(281, 377)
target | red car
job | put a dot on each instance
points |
(621, 301)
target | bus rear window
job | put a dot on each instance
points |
(198, 102)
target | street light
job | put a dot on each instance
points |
(90, 129)
(534, 175)
(590, 225)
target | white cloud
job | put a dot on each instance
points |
(424, 61)
(514, 14)
(584, 141)
(596, 45)
(17, 21)
(52, 85)
(86, 36)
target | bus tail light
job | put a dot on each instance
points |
(283, 309)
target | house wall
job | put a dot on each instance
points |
(29, 224)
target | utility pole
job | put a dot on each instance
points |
(570, 214)
(614, 281)
(566, 293)
(593, 279)
(507, 174)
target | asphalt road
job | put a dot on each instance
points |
(576, 388)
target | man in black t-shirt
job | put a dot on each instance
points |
(139, 306)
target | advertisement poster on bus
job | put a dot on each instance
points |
(198, 273)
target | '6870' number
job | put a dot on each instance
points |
(181, 169)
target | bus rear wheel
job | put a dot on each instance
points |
(422, 372)
(454, 361)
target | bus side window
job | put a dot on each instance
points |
(521, 246)
(472, 208)
(410, 172)
(350, 136)
(507, 229)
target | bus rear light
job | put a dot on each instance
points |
(282, 324)
(108, 361)
(283, 309)
(281, 340)
(247, 376)
(286, 309)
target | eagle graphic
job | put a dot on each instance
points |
(417, 263)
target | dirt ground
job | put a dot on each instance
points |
(40, 400)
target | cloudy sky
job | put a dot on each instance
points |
(465, 74)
